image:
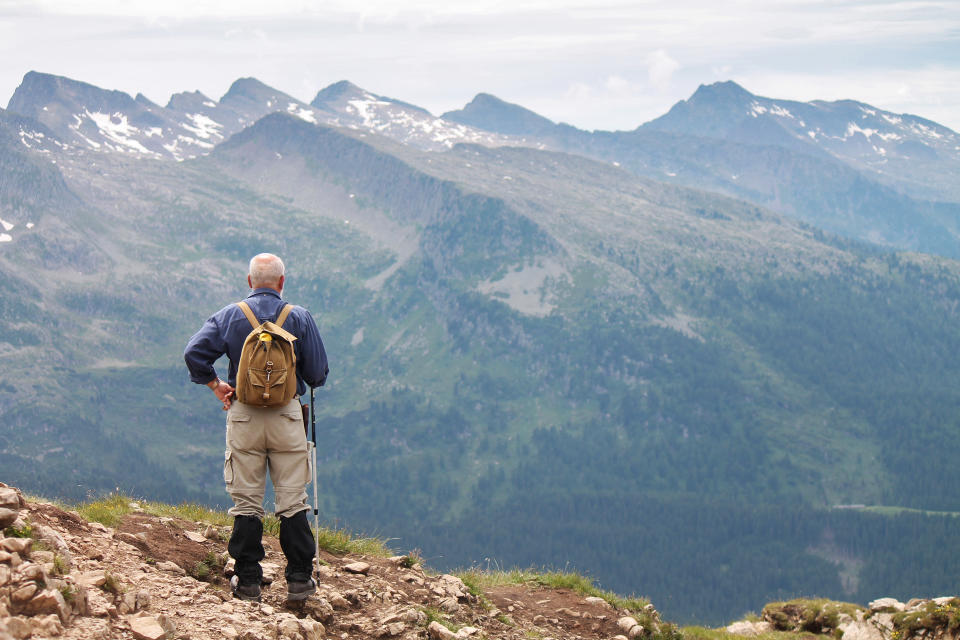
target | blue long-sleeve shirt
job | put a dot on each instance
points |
(225, 331)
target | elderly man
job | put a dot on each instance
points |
(261, 438)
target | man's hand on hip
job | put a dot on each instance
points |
(223, 391)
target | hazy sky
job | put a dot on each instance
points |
(597, 65)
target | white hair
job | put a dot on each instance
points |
(266, 270)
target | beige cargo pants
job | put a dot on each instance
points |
(259, 439)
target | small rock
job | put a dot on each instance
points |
(18, 627)
(270, 572)
(129, 538)
(11, 499)
(319, 609)
(311, 629)
(22, 595)
(143, 599)
(229, 632)
(172, 567)
(886, 605)
(449, 605)
(92, 578)
(7, 517)
(288, 628)
(337, 600)
(361, 568)
(228, 568)
(466, 632)
(35, 572)
(48, 601)
(538, 619)
(194, 536)
(128, 603)
(49, 625)
(636, 632)
(266, 610)
(597, 601)
(97, 603)
(568, 612)
(439, 632)
(749, 629)
(862, 630)
(626, 623)
(20, 546)
(42, 557)
(147, 627)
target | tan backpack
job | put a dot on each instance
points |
(267, 373)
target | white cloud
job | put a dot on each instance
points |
(660, 67)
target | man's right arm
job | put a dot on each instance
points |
(201, 352)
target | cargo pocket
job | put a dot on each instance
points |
(228, 467)
(238, 433)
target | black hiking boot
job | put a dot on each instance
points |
(244, 591)
(300, 589)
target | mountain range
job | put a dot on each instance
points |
(662, 356)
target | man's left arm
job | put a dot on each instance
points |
(313, 357)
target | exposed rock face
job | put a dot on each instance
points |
(80, 580)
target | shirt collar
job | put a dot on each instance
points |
(264, 291)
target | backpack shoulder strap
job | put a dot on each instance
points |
(283, 315)
(252, 319)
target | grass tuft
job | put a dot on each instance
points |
(478, 579)
(435, 615)
(340, 541)
(26, 531)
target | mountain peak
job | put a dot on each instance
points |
(335, 92)
(39, 90)
(191, 100)
(246, 88)
(727, 91)
(488, 112)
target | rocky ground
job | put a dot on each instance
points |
(155, 577)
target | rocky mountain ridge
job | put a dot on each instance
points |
(191, 124)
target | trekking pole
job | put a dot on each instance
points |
(313, 464)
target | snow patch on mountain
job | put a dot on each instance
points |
(203, 126)
(118, 129)
(301, 112)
